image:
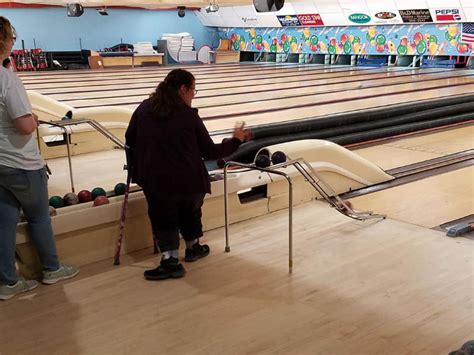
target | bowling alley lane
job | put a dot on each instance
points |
(236, 95)
(431, 201)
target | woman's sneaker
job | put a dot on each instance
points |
(63, 273)
(197, 251)
(169, 268)
(22, 285)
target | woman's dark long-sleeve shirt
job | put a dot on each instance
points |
(168, 153)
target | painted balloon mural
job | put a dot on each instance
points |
(428, 39)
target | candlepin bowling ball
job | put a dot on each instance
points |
(56, 202)
(84, 196)
(278, 157)
(119, 189)
(262, 161)
(349, 204)
(101, 200)
(70, 199)
(98, 191)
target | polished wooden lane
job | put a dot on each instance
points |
(321, 109)
(279, 90)
(414, 148)
(217, 74)
(432, 201)
(236, 104)
(240, 76)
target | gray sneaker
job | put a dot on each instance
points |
(63, 273)
(22, 285)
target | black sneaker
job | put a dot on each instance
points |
(169, 268)
(197, 251)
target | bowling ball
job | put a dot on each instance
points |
(119, 189)
(278, 157)
(101, 200)
(84, 196)
(98, 191)
(52, 211)
(348, 203)
(216, 177)
(70, 199)
(262, 161)
(56, 202)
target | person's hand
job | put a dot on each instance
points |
(241, 133)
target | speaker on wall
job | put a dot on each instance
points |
(268, 5)
(74, 10)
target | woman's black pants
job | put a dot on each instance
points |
(172, 214)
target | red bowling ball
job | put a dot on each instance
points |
(84, 196)
(101, 200)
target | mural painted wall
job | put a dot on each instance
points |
(431, 39)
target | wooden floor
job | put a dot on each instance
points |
(381, 287)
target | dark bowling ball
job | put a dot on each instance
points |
(70, 199)
(84, 196)
(278, 157)
(101, 200)
(98, 191)
(56, 202)
(119, 189)
(262, 161)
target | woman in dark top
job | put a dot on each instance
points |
(169, 142)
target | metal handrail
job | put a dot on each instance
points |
(310, 176)
(71, 122)
(290, 206)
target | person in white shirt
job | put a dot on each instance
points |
(23, 182)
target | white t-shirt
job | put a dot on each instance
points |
(16, 150)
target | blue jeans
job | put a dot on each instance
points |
(28, 190)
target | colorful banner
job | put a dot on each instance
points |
(431, 39)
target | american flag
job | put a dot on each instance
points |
(467, 34)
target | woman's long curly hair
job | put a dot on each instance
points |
(166, 99)
(7, 33)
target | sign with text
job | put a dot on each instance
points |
(250, 21)
(289, 20)
(359, 18)
(386, 17)
(310, 20)
(447, 15)
(414, 16)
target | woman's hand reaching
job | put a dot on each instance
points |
(241, 133)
